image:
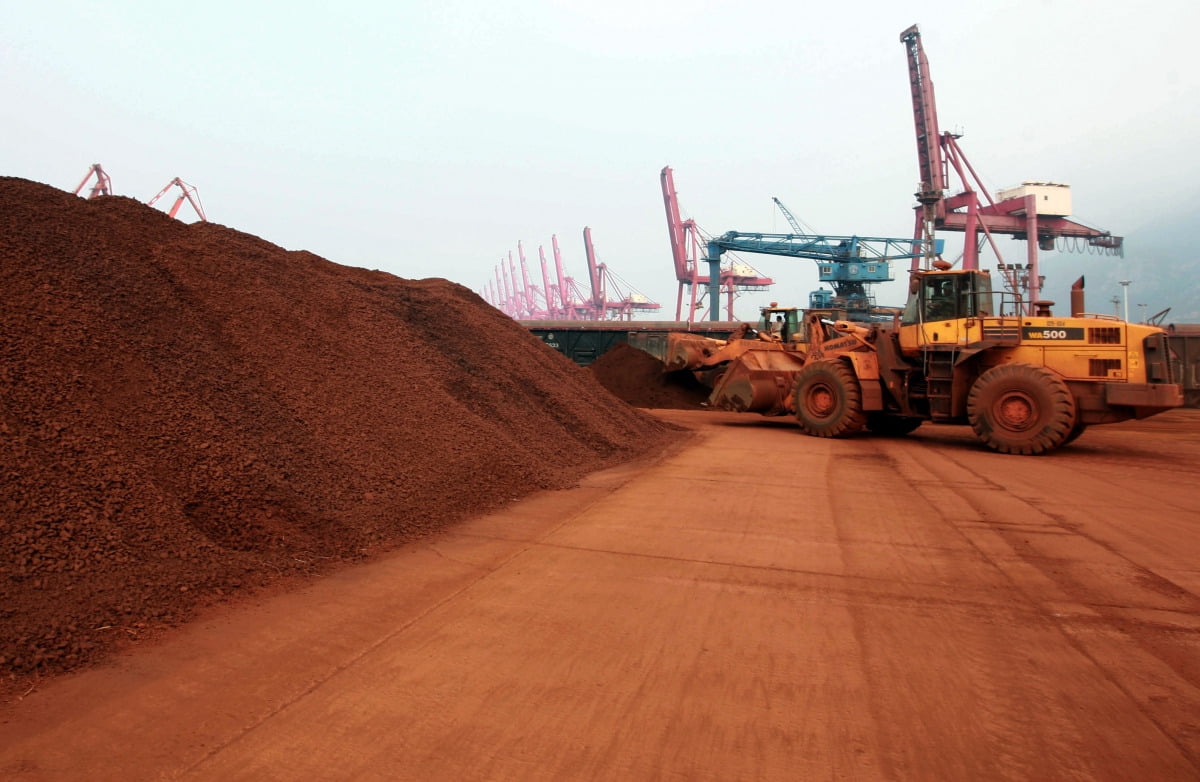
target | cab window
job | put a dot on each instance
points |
(941, 298)
(949, 297)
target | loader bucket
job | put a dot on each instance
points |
(757, 382)
(688, 351)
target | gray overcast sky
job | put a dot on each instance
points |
(426, 138)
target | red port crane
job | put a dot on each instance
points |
(688, 251)
(531, 290)
(103, 184)
(571, 299)
(533, 309)
(549, 292)
(595, 275)
(1035, 211)
(527, 302)
(186, 193)
(510, 300)
(497, 291)
(518, 295)
(625, 301)
(565, 300)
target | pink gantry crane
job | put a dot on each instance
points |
(514, 296)
(510, 300)
(572, 300)
(550, 292)
(186, 193)
(534, 309)
(625, 300)
(688, 247)
(497, 299)
(595, 276)
(565, 300)
(1035, 211)
(518, 296)
(103, 184)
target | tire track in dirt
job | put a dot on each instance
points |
(1086, 586)
(974, 722)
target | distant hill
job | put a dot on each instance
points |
(1162, 260)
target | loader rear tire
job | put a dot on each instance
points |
(828, 400)
(1021, 409)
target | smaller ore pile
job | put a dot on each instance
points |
(638, 378)
(188, 411)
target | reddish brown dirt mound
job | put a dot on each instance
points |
(637, 377)
(190, 410)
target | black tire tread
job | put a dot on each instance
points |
(848, 417)
(1056, 413)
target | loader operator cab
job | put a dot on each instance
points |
(780, 322)
(948, 295)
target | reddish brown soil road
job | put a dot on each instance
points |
(756, 605)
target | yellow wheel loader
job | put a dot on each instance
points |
(1026, 384)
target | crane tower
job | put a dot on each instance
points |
(1034, 211)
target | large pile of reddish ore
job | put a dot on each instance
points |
(189, 412)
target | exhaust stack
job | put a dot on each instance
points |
(1077, 305)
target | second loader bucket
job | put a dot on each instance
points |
(759, 381)
(688, 351)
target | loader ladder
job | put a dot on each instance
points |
(939, 379)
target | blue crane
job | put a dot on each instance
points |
(797, 226)
(848, 263)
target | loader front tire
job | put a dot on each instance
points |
(1021, 409)
(828, 400)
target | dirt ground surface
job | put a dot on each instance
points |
(751, 604)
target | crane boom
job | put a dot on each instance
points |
(563, 280)
(103, 184)
(594, 272)
(530, 306)
(797, 228)
(510, 286)
(930, 164)
(848, 263)
(675, 226)
(186, 193)
(552, 310)
(518, 303)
